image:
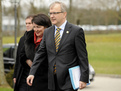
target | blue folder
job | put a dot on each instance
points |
(75, 74)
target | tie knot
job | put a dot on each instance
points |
(58, 29)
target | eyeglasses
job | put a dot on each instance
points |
(54, 13)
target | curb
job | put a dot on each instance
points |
(109, 75)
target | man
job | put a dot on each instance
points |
(64, 45)
(18, 70)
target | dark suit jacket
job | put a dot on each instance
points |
(71, 52)
(18, 68)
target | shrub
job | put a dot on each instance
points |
(9, 78)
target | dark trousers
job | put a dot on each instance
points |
(23, 86)
(57, 87)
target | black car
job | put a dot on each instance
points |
(8, 57)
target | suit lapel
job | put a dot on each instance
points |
(52, 32)
(65, 35)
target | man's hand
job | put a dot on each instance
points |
(14, 80)
(30, 79)
(82, 85)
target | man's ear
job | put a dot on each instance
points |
(65, 14)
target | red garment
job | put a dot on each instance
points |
(36, 42)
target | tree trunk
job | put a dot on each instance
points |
(70, 11)
(18, 18)
(2, 75)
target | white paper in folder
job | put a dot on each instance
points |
(75, 74)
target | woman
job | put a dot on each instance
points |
(31, 44)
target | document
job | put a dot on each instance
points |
(75, 74)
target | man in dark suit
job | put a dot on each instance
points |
(18, 70)
(64, 45)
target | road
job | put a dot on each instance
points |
(104, 84)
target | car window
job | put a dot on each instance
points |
(8, 52)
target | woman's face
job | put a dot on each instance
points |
(38, 29)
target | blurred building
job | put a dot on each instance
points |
(8, 24)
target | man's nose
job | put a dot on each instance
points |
(51, 15)
(27, 24)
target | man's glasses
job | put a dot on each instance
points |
(54, 13)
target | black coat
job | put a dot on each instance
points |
(40, 82)
(18, 67)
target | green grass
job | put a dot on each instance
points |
(104, 52)
(9, 39)
(5, 89)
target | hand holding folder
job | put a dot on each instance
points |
(75, 74)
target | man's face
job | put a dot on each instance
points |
(29, 25)
(56, 16)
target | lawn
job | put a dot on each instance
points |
(104, 52)
(9, 39)
(5, 89)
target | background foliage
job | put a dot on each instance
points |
(81, 12)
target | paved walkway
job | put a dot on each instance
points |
(102, 83)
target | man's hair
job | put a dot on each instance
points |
(30, 16)
(62, 5)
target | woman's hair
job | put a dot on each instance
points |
(42, 19)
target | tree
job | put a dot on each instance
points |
(18, 19)
(2, 76)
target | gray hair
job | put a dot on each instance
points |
(62, 5)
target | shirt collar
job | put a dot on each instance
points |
(62, 26)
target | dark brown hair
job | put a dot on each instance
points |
(42, 19)
(30, 16)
